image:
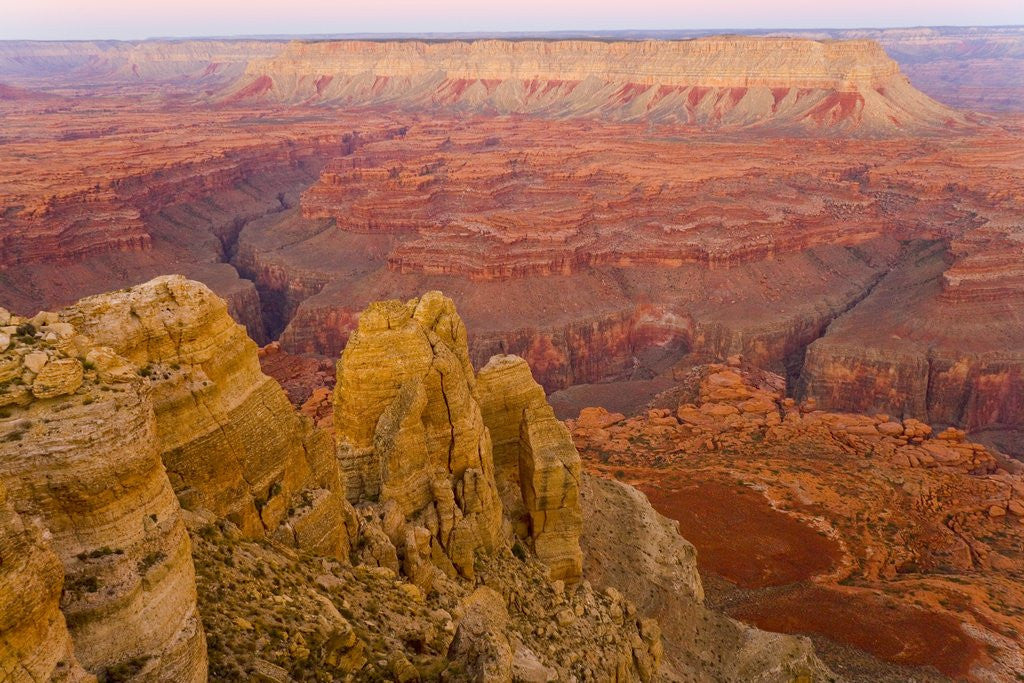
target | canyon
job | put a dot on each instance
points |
(299, 210)
(773, 282)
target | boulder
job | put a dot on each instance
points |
(58, 378)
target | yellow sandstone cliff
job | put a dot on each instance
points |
(81, 461)
(230, 441)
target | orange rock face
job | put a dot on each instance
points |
(839, 513)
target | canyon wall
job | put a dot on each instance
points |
(961, 360)
(300, 220)
(195, 62)
(65, 224)
(35, 644)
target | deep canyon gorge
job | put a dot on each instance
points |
(790, 264)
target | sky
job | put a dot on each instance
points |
(136, 19)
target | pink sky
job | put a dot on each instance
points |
(64, 19)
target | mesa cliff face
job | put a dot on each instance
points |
(725, 81)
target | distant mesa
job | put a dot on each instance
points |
(15, 93)
(717, 82)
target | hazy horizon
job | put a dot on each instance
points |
(123, 20)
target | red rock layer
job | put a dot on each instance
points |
(478, 203)
(943, 338)
(748, 246)
(88, 209)
(111, 216)
(607, 258)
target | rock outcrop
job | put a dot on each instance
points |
(536, 464)
(415, 429)
(123, 404)
(229, 438)
(436, 558)
(818, 519)
(632, 549)
(35, 644)
(80, 459)
(409, 429)
(727, 81)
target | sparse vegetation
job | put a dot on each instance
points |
(151, 559)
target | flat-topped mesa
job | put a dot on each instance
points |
(720, 61)
(722, 81)
(414, 432)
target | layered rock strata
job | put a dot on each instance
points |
(197, 63)
(412, 433)
(536, 465)
(35, 644)
(115, 214)
(725, 81)
(427, 577)
(228, 436)
(937, 342)
(81, 460)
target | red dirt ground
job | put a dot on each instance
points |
(889, 630)
(772, 557)
(740, 537)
